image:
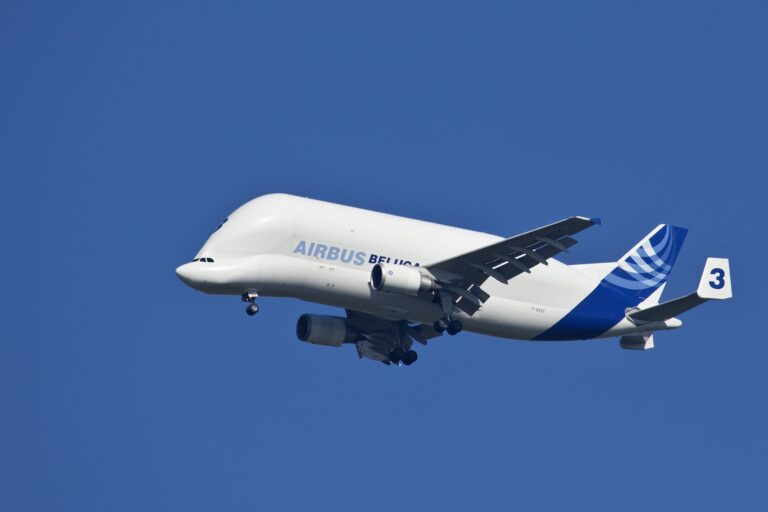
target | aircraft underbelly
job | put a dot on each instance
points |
(506, 314)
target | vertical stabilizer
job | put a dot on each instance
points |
(636, 278)
(648, 264)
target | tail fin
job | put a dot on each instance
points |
(648, 264)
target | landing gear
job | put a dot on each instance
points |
(399, 355)
(446, 322)
(441, 325)
(250, 296)
(402, 353)
(454, 327)
(410, 357)
(450, 326)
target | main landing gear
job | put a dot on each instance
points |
(402, 352)
(252, 308)
(446, 322)
(399, 355)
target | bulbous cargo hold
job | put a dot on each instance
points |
(326, 330)
(400, 279)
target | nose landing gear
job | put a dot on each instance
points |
(250, 296)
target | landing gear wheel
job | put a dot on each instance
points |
(397, 355)
(410, 357)
(454, 327)
(252, 309)
(440, 325)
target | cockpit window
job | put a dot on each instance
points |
(222, 223)
(203, 260)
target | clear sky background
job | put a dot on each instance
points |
(129, 130)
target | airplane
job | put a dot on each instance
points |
(402, 281)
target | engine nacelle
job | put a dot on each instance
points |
(400, 279)
(325, 330)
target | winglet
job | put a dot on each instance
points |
(592, 220)
(715, 281)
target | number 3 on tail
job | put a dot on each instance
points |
(719, 281)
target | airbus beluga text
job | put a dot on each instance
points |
(402, 280)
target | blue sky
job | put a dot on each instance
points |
(129, 130)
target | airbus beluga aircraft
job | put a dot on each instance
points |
(402, 280)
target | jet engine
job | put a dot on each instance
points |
(400, 279)
(325, 330)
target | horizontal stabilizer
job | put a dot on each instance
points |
(669, 309)
(715, 284)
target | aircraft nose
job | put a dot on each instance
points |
(185, 273)
(207, 276)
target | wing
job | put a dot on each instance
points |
(463, 275)
(380, 336)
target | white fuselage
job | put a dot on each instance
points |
(286, 246)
